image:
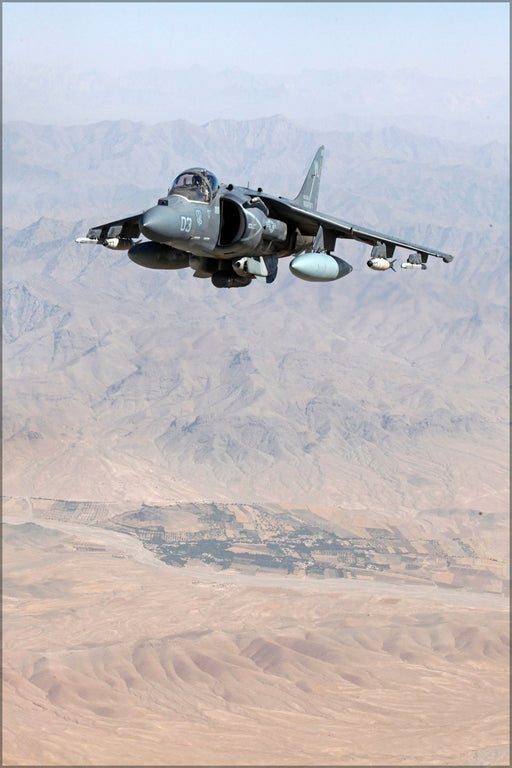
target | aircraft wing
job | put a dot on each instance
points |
(309, 223)
(123, 228)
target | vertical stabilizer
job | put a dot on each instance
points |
(308, 195)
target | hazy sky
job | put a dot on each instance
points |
(75, 63)
(456, 39)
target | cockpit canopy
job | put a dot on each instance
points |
(196, 184)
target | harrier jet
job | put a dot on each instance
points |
(233, 235)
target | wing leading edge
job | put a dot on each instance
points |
(125, 229)
(309, 223)
(301, 211)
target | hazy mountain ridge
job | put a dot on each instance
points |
(142, 160)
(23, 312)
(160, 386)
(361, 98)
(266, 525)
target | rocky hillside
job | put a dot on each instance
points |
(382, 392)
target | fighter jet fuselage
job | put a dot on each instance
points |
(235, 234)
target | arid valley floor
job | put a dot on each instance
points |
(256, 527)
(114, 658)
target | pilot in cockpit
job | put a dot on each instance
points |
(202, 189)
(195, 185)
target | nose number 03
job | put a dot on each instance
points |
(185, 223)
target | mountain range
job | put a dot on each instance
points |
(385, 393)
(355, 99)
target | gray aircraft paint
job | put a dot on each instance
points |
(235, 234)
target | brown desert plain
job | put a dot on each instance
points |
(116, 659)
(255, 527)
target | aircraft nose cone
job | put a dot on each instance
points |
(160, 224)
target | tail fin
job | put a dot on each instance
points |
(308, 195)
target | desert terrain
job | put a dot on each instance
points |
(112, 658)
(264, 527)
